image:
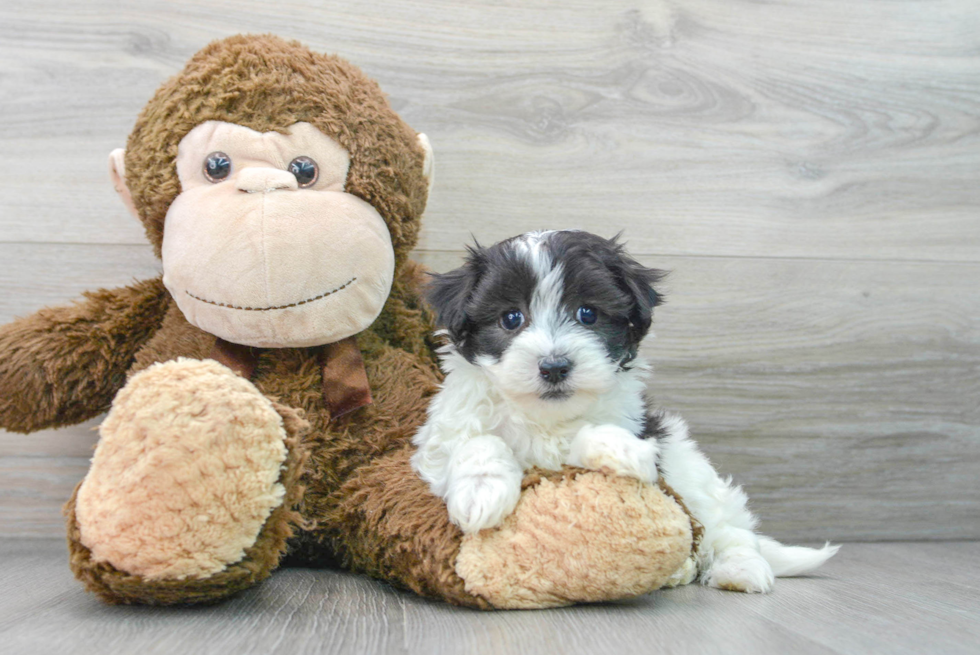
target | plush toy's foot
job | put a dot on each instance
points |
(191, 487)
(577, 537)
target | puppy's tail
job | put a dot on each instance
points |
(787, 561)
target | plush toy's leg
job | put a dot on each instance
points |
(386, 523)
(576, 536)
(192, 487)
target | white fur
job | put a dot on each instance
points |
(471, 406)
(485, 482)
(611, 447)
(731, 555)
(489, 423)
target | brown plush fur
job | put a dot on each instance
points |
(351, 496)
(63, 365)
(385, 522)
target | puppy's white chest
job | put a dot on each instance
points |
(547, 447)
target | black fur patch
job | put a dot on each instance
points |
(470, 300)
(598, 273)
(653, 424)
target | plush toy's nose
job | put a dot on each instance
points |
(256, 179)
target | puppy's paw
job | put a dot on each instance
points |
(684, 575)
(481, 501)
(484, 483)
(740, 569)
(617, 449)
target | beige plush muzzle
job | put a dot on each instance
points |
(259, 261)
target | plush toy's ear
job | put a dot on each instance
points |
(428, 167)
(449, 293)
(117, 173)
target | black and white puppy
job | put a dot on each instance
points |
(542, 370)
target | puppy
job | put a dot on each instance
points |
(542, 370)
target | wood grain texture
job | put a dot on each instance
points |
(38, 474)
(871, 598)
(808, 170)
(831, 129)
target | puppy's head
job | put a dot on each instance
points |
(552, 317)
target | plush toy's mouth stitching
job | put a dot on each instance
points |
(269, 309)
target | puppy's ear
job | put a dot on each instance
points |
(638, 281)
(448, 293)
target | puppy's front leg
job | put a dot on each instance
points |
(484, 483)
(615, 448)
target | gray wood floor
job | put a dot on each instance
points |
(872, 598)
(807, 170)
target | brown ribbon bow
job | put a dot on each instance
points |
(345, 383)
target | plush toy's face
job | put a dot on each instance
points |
(280, 190)
(264, 248)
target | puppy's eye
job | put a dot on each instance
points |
(511, 320)
(586, 315)
(217, 165)
(305, 170)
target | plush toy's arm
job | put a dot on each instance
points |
(63, 365)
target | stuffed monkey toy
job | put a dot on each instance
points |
(262, 393)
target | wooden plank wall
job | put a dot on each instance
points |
(809, 171)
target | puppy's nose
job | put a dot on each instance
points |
(554, 370)
(256, 179)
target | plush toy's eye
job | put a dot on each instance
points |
(512, 319)
(305, 170)
(217, 165)
(586, 315)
